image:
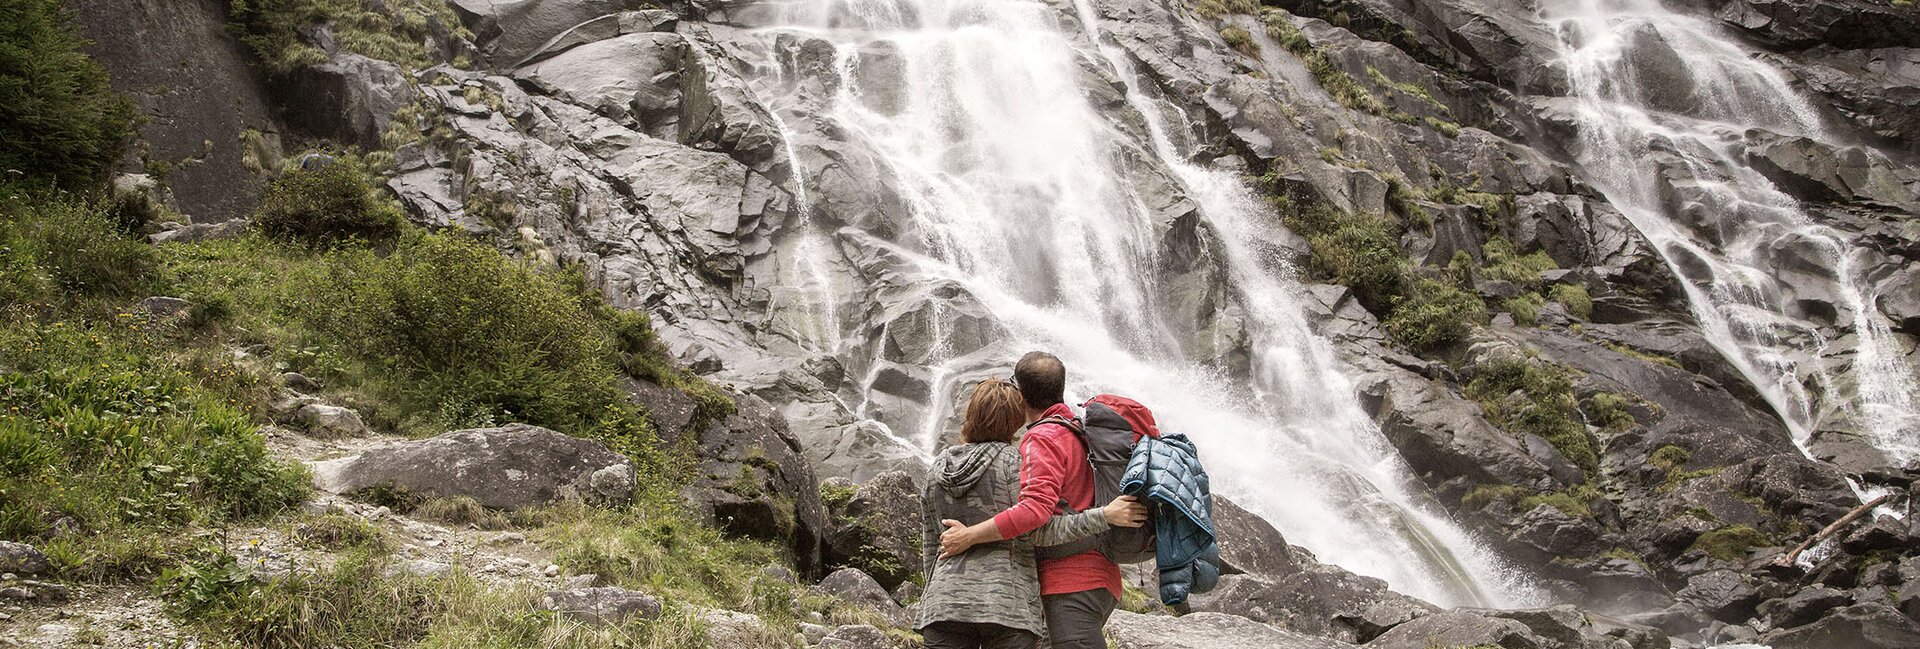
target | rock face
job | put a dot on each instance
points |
(755, 482)
(855, 587)
(350, 98)
(503, 468)
(200, 97)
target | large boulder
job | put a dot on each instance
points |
(513, 466)
(1131, 630)
(1316, 599)
(1459, 629)
(23, 559)
(1248, 543)
(604, 605)
(875, 527)
(856, 587)
(349, 97)
(509, 32)
(754, 482)
(1861, 626)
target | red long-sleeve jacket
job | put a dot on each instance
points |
(1053, 467)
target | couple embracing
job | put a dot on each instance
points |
(991, 513)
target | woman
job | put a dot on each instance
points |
(989, 597)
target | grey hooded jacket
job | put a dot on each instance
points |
(993, 583)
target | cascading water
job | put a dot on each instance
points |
(1664, 101)
(1021, 192)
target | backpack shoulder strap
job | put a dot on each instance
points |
(1071, 424)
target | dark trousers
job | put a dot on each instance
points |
(1078, 620)
(976, 635)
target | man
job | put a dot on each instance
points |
(1078, 592)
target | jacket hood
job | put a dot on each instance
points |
(1122, 413)
(962, 466)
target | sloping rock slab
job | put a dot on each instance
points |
(1205, 631)
(504, 468)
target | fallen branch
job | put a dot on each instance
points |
(1794, 554)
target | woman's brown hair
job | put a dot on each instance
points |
(994, 414)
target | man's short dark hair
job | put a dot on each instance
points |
(1042, 380)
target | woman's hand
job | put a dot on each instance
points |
(1125, 511)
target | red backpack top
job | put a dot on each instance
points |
(1113, 425)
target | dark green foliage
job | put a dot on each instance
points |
(1526, 396)
(55, 244)
(1575, 297)
(471, 331)
(1505, 263)
(59, 122)
(1525, 308)
(1730, 543)
(1356, 250)
(1608, 410)
(1240, 40)
(397, 32)
(1435, 314)
(99, 426)
(326, 206)
(354, 603)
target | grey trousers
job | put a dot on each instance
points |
(1078, 620)
(975, 635)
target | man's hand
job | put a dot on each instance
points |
(956, 540)
(1125, 511)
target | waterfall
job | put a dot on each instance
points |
(1664, 101)
(1034, 201)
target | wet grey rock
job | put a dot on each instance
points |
(878, 529)
(1861, 626)
(23, 559)
(1803, 607)
(631, 77)
(604, 605)
(1131, 630)
(605, 28)
(1458, 628)
(1444, 436)
(507, 33)
(331, 422)
(1319, 600)
(1248, 543)
(299, 382)
(503, 468)
(1845, 24)
(1724, 594)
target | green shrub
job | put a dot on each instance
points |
(1217, 8)
(1547, 407)
(341, 532)
(1525, 308)
(326, 206)
(1669, 458)
(1240, 40)
(104, 429)
(59, 121)
(53, 242)
(1573, 296)
(1504, 263)
(1359, 251)
(1646, 357)
(1572, 500)
(1730, 543)
(1434, 315)
(397, 32)
(465, 326)
(1608, 410)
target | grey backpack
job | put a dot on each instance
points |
(1109, 438)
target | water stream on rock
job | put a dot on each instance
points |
(1664, 103)
(1050, 213)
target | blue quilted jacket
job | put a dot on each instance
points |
(1166, 473)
